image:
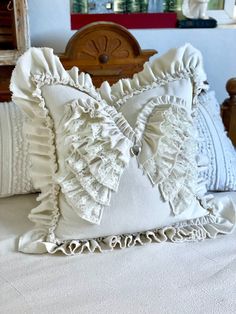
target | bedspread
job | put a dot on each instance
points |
(167, 278)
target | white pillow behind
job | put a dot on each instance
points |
(14, 159)
(215, 146)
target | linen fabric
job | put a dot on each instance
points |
(107, 181)
(215, 146)
(14, 159)
(192, 273)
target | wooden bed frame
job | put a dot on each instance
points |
(105, 50)
(108, 51)
(228, 110)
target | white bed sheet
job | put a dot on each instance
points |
(163, 278)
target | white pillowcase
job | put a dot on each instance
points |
(215, 146)
(14, 159)
(108, 179)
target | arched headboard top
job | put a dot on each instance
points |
(105, 50)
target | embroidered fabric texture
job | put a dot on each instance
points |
(14, 161)
(83, 141)
(214, 147)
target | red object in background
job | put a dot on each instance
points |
(128, 20)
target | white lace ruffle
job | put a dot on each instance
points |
(98, 152)
(165, 129)
(187, 64)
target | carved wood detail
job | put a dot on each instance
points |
(228, 110)
(5, 74)
(105, 50)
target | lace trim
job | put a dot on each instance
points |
(191, 230)
(189, 65)
(148, 109)
(171, 164)
(98, 153)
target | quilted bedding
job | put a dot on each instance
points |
(198, 277)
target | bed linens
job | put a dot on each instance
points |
(82, 148)
(187, 271)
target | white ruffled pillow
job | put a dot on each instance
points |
(14, 159)
(215, 146)
(107, 181)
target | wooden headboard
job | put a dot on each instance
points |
(109, 52)
(228, 110)
(105, 50)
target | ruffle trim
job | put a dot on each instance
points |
(39, 127)
(165, 129)
(98, 153)
(44, 167)
(191, 230)
(182, 63)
